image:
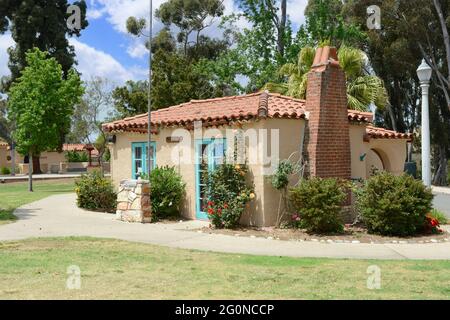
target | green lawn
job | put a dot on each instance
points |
(112, 269)
(14, 195)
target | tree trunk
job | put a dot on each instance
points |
(440, 177)
(13, 159)
(37, 165)
(281, 28)
(30, 173)
(445, 35)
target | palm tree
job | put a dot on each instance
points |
(362, 88)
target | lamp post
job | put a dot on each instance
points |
(149, 133)
(424, 74)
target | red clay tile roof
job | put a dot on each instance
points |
(381, 133)
(215, 111)
(222, 110)
(359, 116)
(80, 147)
(74, 147)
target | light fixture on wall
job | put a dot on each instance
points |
(362, 156)
(174, 139)
(111, 139)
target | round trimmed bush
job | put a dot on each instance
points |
(394, 205)
(96, 193)
(167, 192)
(5, 171)
(318, 204)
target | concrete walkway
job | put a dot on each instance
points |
(57, 216)
(442, 199)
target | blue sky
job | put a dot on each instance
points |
(106, 50)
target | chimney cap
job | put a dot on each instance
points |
(325, 56)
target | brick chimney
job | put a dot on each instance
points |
(328, 149)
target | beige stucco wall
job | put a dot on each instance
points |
(46, 160)
(391, 151)
(4, 154)
(167, 154)
(263, 210)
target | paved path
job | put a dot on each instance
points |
(58, 216)
(442, 200)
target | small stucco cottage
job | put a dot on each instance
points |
(195, 136)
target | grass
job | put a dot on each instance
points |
(14, 195)
(113, 269)
(439, 216)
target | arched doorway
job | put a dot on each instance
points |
(374, 162)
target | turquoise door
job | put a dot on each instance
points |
(139, 153)
(209, 153)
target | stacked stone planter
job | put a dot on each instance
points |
(133, 201)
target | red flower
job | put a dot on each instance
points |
(225, 205)
(210, 211)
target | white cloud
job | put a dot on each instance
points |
(296, 11)
(6, 41)
(118, 11)
(137, 49)
(93, 62)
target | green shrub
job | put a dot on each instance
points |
(394, 205)
(439, 216)
(84, 157)
(227, 195)
(96, 193)
(318, 205)
(5, 171)
(75, 156)
(167, 191)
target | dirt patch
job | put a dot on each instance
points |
(350, 234)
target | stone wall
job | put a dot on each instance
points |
(133, 201)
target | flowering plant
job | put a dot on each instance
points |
(228, 195)
(296, 220)
(432, 225)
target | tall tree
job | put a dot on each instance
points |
(98, 99)
(41, 104)
(270, 18)
(411, 31)
(38, 24)
(130, 99)
(176, 78)
(325, 23)
(190, 16)
(5, 124)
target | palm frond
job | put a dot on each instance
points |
(351, 61)
(281, 88)
(306, 59)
